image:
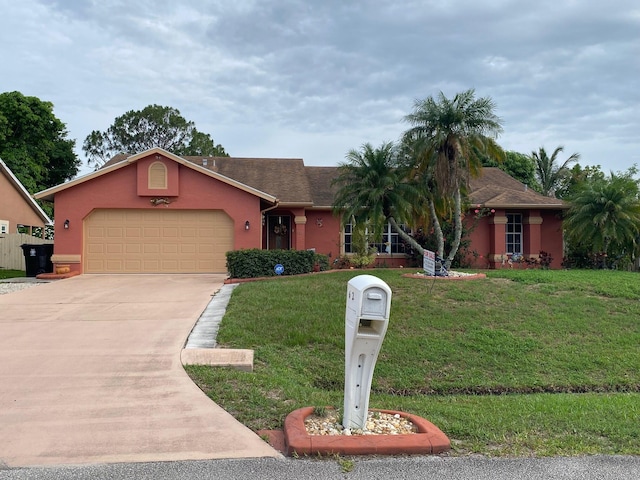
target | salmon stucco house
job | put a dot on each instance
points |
(155, 212)
(18, 211)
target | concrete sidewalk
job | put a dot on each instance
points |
(90, 372)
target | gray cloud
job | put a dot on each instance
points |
(315, 79)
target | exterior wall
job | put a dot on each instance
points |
(396, 260)
(323, 233)
(480, 241)
(118, 189)
(552, 236)
(542, 231)
(14, 208)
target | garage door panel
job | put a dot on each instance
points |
(129, 265)
(151, 248)
(157, 241)
(187, 248)
(170, 232)
(96, 249)
(115, 248)
(133, 232)
(169, 248)
(133, 248)
(151, 232)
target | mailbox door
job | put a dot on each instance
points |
(374, 302)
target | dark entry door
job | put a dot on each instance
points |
(279, 233)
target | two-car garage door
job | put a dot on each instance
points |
(157, 241)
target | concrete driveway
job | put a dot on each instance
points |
(90, 372)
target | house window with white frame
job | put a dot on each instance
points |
(513, 240)
(348, 238)
(390, 242)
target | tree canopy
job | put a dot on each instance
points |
(153, 126)
(551, 176)
(34, 143)
(604, 217)
(519, 165)
(375, 188)
(449, 138)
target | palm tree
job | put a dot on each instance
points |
(450, 137)
(373, 189)
(605, 216)
(550, 176)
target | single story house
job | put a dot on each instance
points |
(19, 213)
(156, 212)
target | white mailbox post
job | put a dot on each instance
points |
(366, 321)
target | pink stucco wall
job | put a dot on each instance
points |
(549, 240)
(14, 208)
(552, 236)
(480, 237)
(323, 233)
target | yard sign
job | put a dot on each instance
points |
(429, 263)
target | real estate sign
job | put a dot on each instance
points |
(429, 263)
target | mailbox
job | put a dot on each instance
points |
(366, 321)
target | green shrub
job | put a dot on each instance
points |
(322, 261)
(261, 263)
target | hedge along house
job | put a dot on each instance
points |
(155, 212)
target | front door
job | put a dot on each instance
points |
(279, 232)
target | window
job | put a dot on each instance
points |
(513, 239)
(157, 176)
(348, 238)
(4, 226)
(390, 241)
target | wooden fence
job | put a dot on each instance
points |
(11, 254)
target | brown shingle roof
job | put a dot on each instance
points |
(496, 189)
(292, 183)
(284, 178)
(320, 179)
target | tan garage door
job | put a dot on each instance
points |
(157, 241)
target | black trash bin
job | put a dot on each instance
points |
(37, 258)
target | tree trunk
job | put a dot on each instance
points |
(437, 229)
(405, 236)
(457, 225)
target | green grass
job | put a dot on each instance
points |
(11, 273)
(524, 362)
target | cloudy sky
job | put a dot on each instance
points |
(313, 79)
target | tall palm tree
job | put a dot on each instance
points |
(450, 137)
(605, 215)
(373, 188)
(549, 175)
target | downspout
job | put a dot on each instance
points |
(262, 216)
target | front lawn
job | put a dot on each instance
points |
(523, 362)
(11, 273)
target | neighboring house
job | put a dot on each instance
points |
(19, 213)
(155, 212)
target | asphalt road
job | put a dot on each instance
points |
(407, 468)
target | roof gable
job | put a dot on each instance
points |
(120, 161)
(13, 180)
(495, 188)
